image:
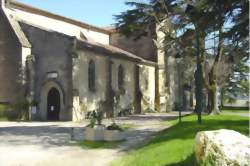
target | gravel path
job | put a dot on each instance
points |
(50, 144)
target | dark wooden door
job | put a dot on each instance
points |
(53, 106)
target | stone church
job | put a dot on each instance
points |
(67, 68)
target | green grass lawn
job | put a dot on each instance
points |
(2, 113)
(174, 146)
(127, 126)
(235, 111)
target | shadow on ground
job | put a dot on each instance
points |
(189, 161)
(45, 136)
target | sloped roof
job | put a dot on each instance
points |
(88, 43)
(18, 31)
(112, 51)
(30, 9)
(108, 49)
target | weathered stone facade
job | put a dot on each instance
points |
(51, 55)
(143, 47)
(10, 66)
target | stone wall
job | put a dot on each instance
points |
(143, 47)
(126, 99)
(89, 100)
(147, 87)
(52, 53)
(161, 96)
(11, 89)
(86, 100)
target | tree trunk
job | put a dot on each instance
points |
(222, 98)
(199, 73)
(212, 87)
(212, 101)
(216, 106)
(212, 107)
(191, 104)
(198, 92)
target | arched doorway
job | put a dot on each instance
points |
(53, 104)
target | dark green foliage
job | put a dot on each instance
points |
(14, 112)
(238, 83)
(12, 115)
(99, 117)
(135, 21)
(229, 19)
(238, 12)
(19, 111)
(125, 112)
(114, 126)
(95, 116)
(3, 109)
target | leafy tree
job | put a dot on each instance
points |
(182, 21)
(145, 17)
(238, 82)
(228, 15)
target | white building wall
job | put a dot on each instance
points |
(126, 100)
(147, 87)
(58, 26)
(88, 101)
(238, 103)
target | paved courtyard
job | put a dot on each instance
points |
(50, 143)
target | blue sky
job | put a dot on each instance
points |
(95, 12)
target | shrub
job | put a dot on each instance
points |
(92, 122)
(21, 110)
(16, 111)
(177, 106)
(125, 112)
(95, 116)
(12, 115)
(114, 126)
(99, 117)
(150, 110)
(3, 110)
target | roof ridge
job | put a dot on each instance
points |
(42, 12)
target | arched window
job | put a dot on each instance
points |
(91, 75)
(120, 77)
